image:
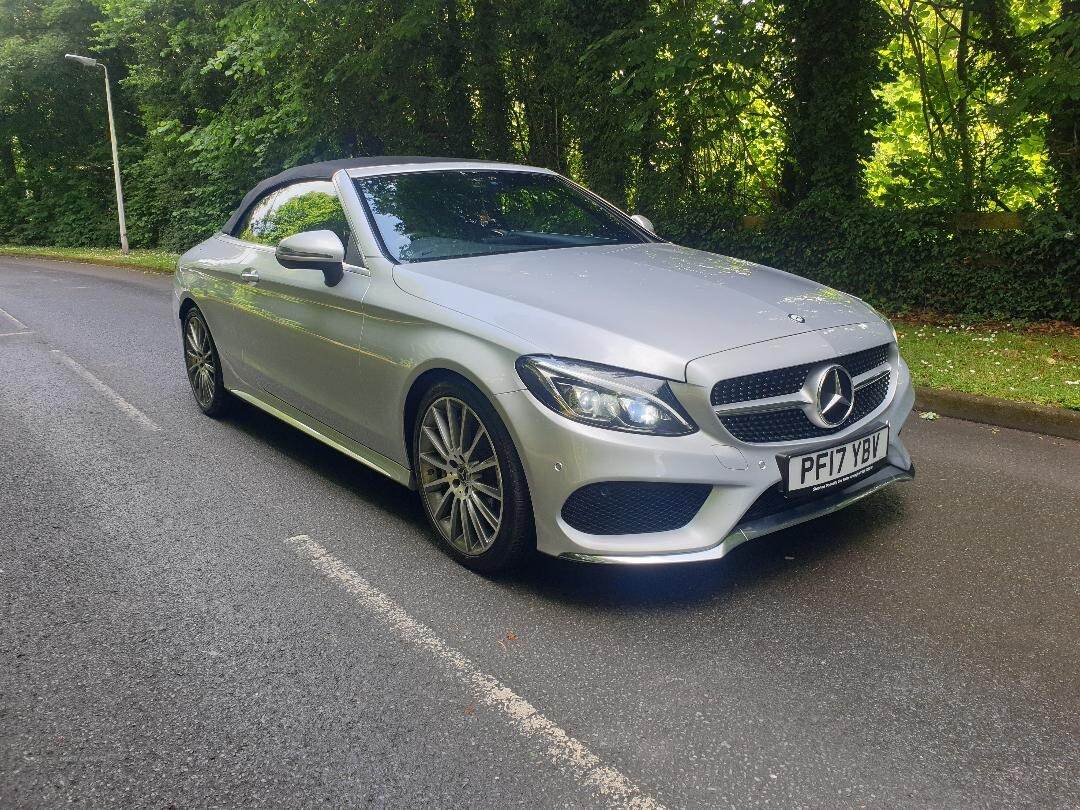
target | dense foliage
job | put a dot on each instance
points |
(854, 128)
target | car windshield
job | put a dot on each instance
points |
(424, 216)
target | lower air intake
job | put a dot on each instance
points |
(633, 507)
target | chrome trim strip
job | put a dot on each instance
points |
(799, 399)
(799, 513)
(872, 376)
(354, 450)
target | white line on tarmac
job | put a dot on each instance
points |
(129, 410)
(13, 319)
(20, 332)
(608, 784)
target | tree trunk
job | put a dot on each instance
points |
(493, 135)
(452, 64)
(607, 146)
(963, 134)
(7, 159)
(1063, 129)
(645, 186)
(834, 68)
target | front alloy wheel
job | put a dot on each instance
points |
(470, 479)
(459, 476)
(203, 365)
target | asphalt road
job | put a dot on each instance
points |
(163, 641)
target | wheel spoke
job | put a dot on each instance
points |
(436, 442)
(205, 384)
(446, 496)
(464, 421)
(455, 518)
(434, 462)
(459, 511)
(466, 525)
(480, 434)
(451, 428)
(474, 521)
(490, 491)
(438, 482)
(200, 334)
(486, 464)
(444, 430)
(483, 511)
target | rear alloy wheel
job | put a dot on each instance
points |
(203, 365)
(470, 479)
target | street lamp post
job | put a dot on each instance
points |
(86, 61)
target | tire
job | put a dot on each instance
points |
(480, 511)
(204, 366)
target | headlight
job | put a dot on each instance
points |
(604, 396)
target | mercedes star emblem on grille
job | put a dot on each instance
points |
(835, 397)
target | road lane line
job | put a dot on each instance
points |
(13, 319)
(20, 332)
(130, 410)
(609, 784)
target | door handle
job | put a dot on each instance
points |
(250, 275)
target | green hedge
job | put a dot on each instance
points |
(904, 261)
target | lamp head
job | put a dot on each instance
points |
(85, 61)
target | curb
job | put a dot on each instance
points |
(991, 411)
(103, 262)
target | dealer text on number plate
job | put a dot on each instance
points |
(833, 466)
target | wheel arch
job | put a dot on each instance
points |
(187, 303)
(420, 384)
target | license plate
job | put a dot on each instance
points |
(834, 466)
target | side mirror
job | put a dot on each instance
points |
(644, 222)
(313, 250)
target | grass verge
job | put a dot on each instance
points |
(158, 261)
(1025, 362)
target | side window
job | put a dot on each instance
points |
(308, 206)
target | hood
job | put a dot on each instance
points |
(649, 307)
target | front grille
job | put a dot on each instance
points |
(788, 380)
(791, 424)
(633, 507)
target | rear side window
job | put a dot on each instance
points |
(300, 207)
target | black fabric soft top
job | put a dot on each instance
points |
(324, 171)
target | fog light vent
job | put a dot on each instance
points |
(633, 507)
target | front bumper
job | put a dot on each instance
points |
(758, 527)
(560, 456)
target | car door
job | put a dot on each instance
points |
(302, 343)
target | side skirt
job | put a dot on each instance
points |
(328, 436)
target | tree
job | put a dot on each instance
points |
(831, 109)
(493, 139)
(55, 165)
(1063, 130)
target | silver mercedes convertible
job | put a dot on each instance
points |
(545, 370)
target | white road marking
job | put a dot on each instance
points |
(609, 784)
(13, 319)
(20, 332)
(129, 410)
